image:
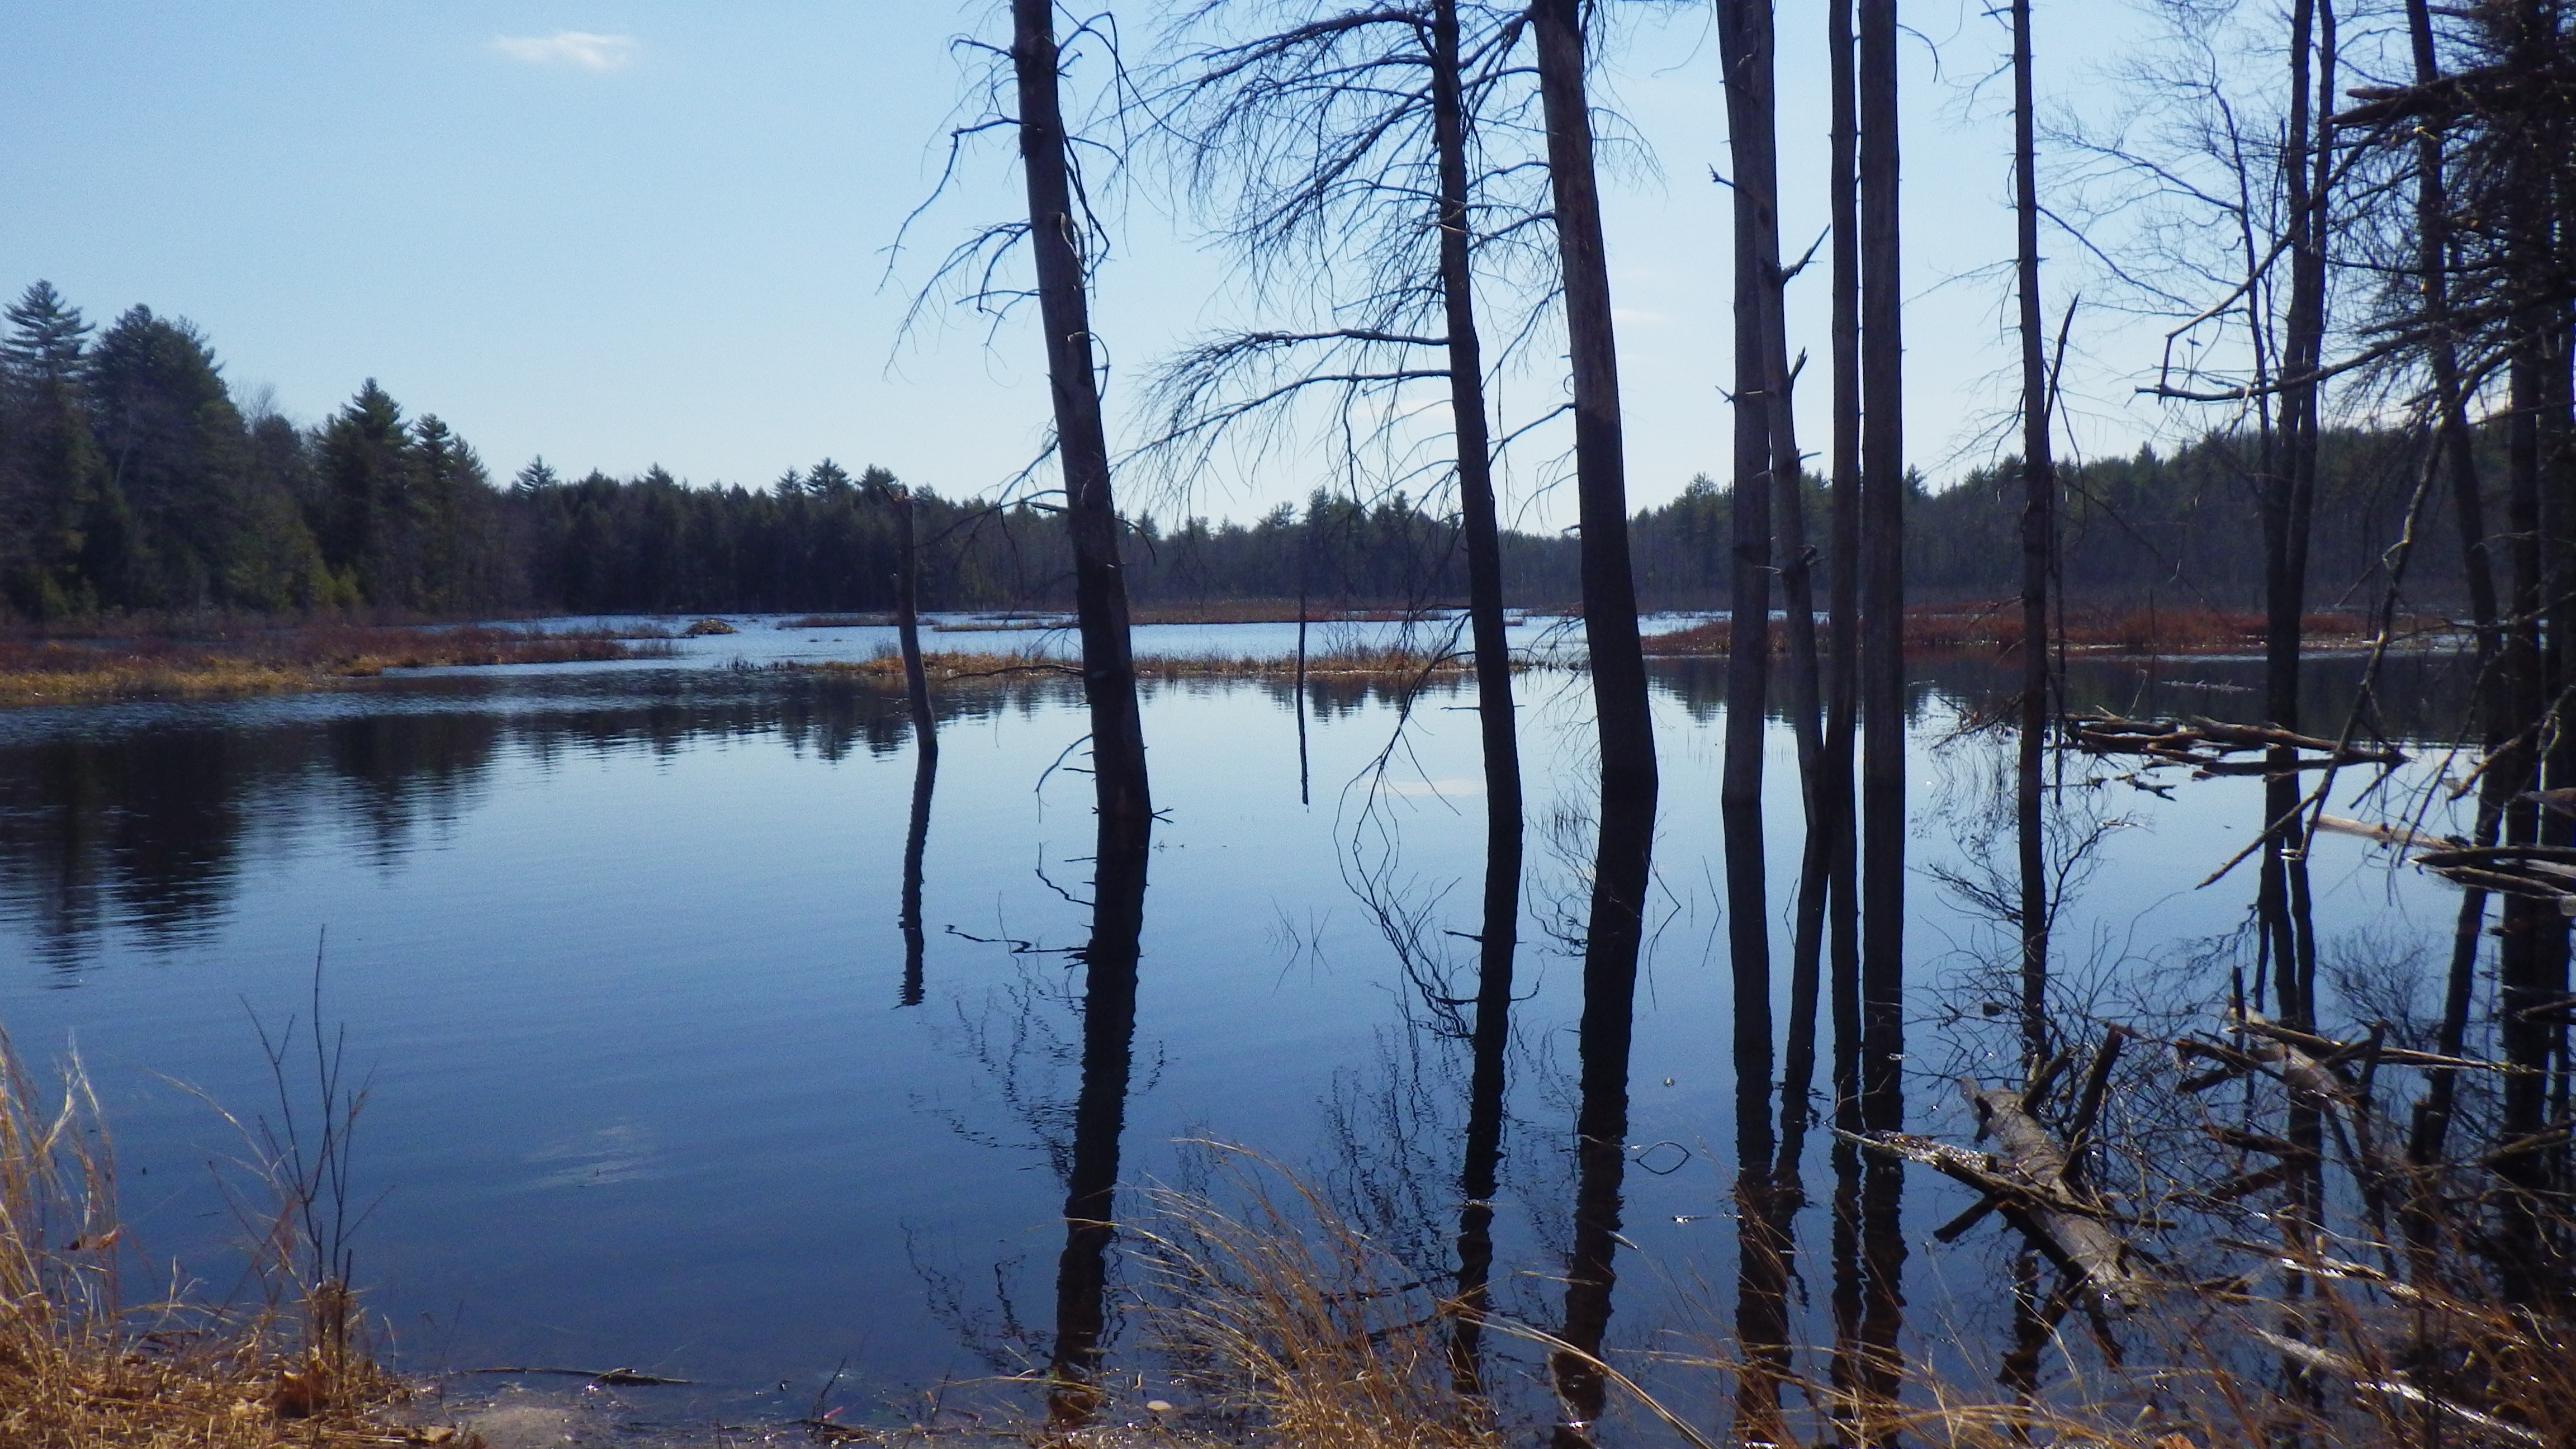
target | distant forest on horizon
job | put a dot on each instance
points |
(131, 480)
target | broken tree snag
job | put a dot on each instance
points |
(2063, 1221)
(2207, 745)
(2088, 1106)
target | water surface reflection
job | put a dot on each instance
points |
(628, 947)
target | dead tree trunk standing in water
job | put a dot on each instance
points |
(2533, 967)
(1880, 1366)
(1621, 867)
(925, 728)
(2288, 508)
(2038, 537)
(1883, 484)
(1767, 1192)
(1348, 130)
(2452, 435)
(1748, 663)
(1480, 1174)
(1767, 444)
(1868, 1245)
(1056, 233)
(2289, 496)
(1843, 684)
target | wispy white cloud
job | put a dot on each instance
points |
(577, 48)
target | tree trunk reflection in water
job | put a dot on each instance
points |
(1099, 1117)
(1868, 1293)
(925, 773)
(1768, 1195)
(1621, 869)
(925, 736)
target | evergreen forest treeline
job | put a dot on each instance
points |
(132, 480)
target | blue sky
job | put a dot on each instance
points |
(626, 233)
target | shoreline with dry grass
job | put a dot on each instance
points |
(165, 659)
(958, 666)
(80, 1368)
(1938, 630)
(47, 669)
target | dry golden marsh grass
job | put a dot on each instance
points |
(946, 666)
(1298, 1327)
(267, 660)
(82, 1368)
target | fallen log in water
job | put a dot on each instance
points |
(2066, 1224)
(2206, 744)
(2037, 1185)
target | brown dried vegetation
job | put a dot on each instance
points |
(49, 670)
(1933, 629)
(79, 1369)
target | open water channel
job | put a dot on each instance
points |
(654, 1082)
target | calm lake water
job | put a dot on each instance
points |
(617, 949)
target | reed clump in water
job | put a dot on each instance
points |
(80, 1370)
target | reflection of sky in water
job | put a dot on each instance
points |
(620, 952)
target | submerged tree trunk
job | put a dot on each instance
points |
(1842, 685)
(1746, 39)
(2305, 167)
(1883, 484)
(916, 843)
(1082, 444)
(2284, 903)
(1621, 868)
(1500, 928)
(1117, 737)
(925, 724)
(2532, 958)
(2038, 535)
(1748, 651)
(2458, 460)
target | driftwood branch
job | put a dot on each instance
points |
(2032, 1182)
